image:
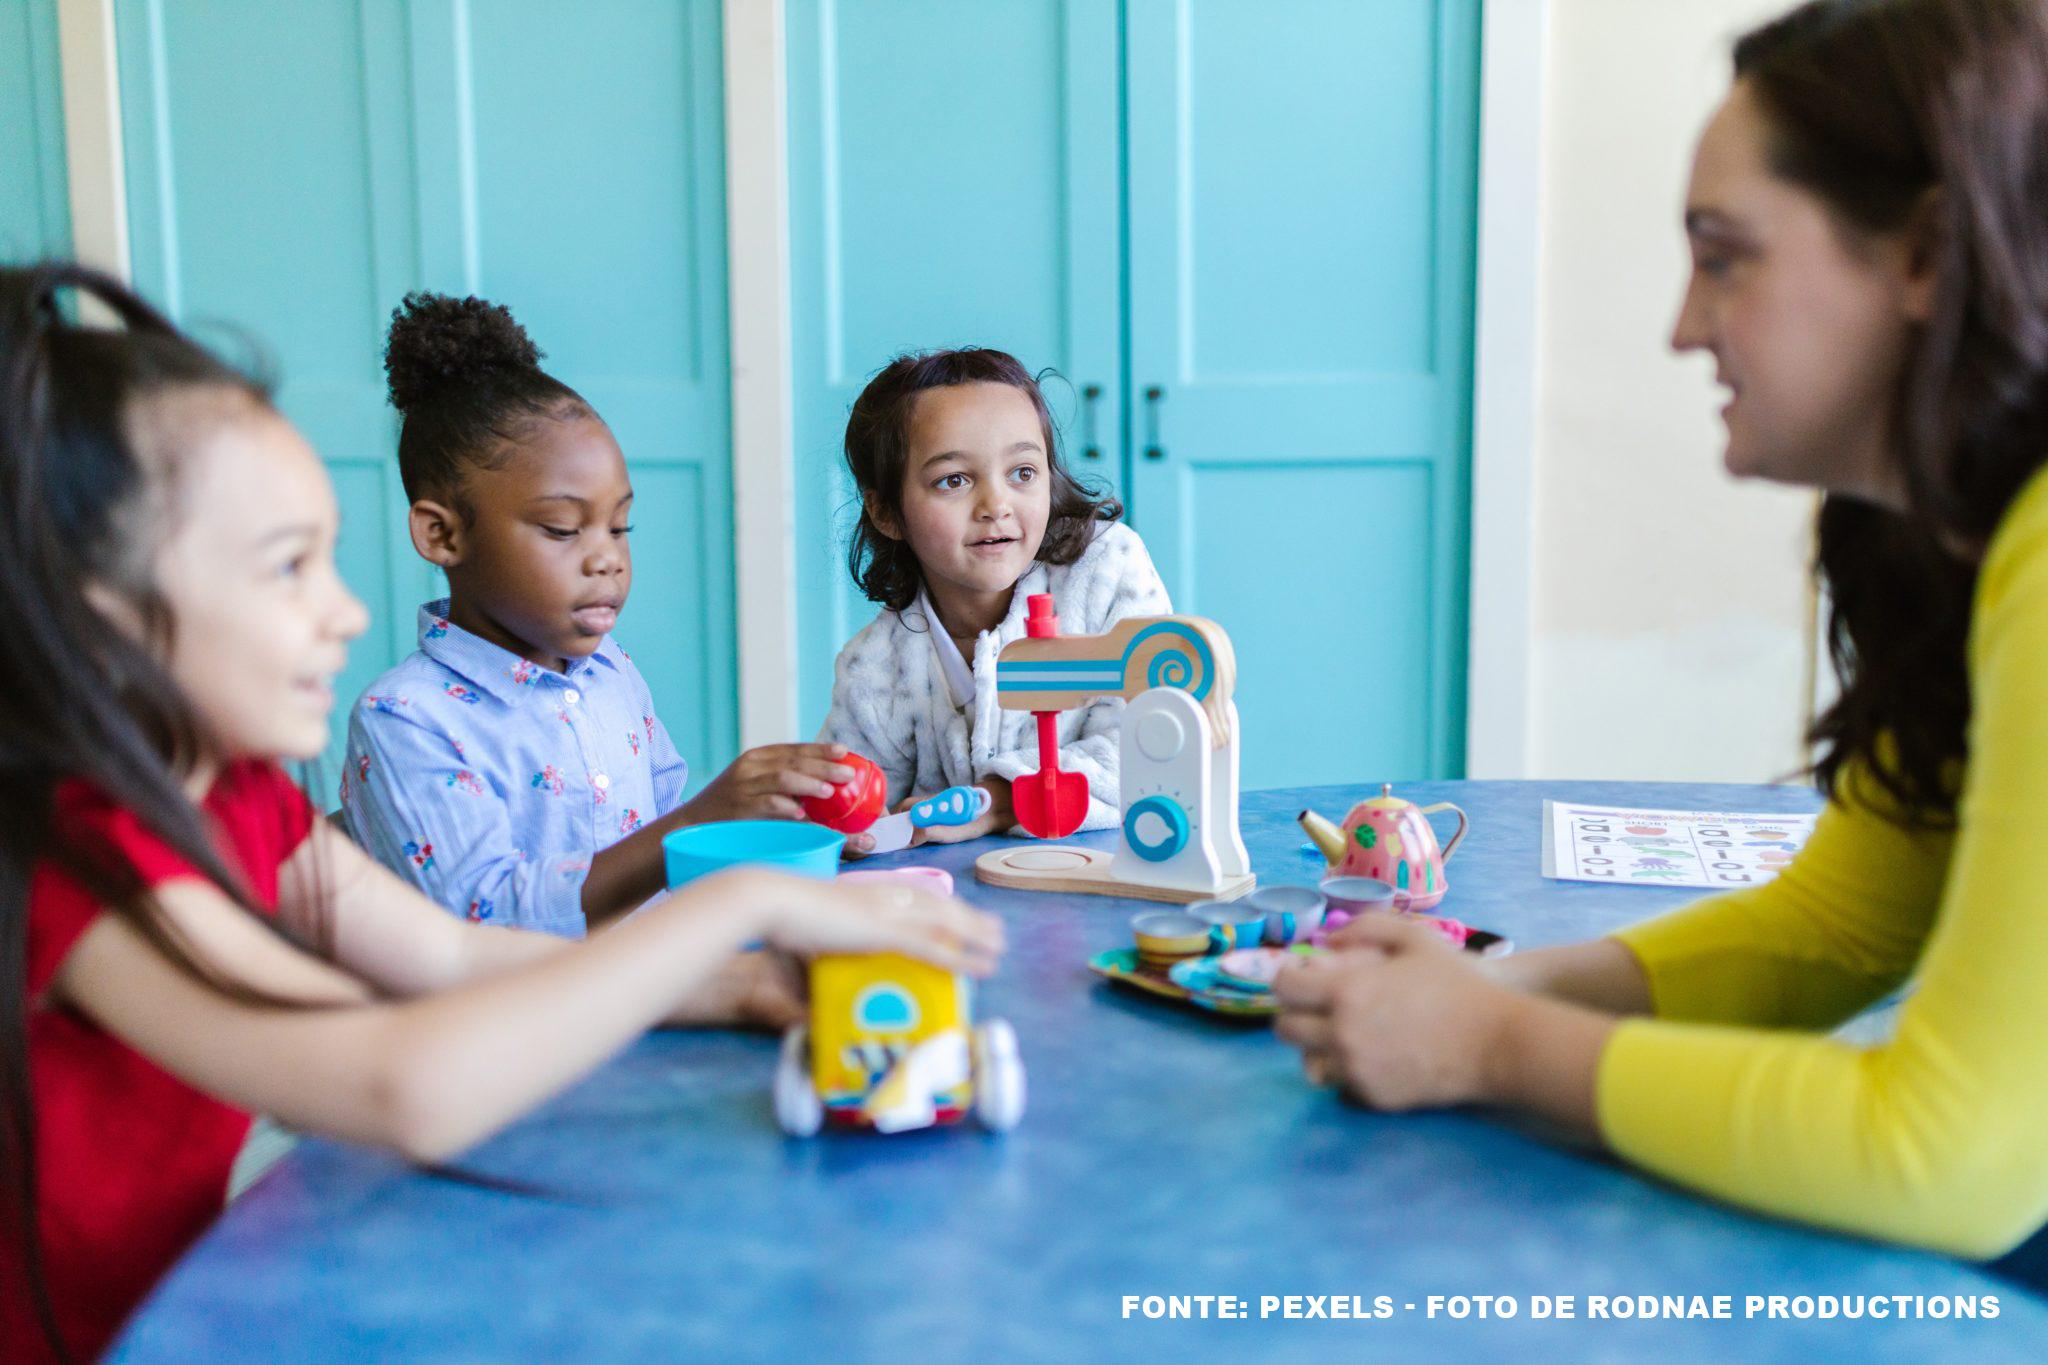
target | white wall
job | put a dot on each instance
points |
(1671, 620)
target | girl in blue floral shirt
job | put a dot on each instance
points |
(513, 767)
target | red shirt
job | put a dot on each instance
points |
(132, 1163)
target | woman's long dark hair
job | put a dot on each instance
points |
(78, 505)
(1931, 116)
(878, 448)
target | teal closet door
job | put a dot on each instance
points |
(1301, 241)
(954, 180)
(35, 208)
(293, 170)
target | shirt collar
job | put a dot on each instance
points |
(496, 670)
(958, 671)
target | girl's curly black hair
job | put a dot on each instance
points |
(878, 449)
(467, 379)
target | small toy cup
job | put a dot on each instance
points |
(1168, 936)
(935, 879)
(1292, 913)
(1232, 924)
(1351, 896)
(699, 850)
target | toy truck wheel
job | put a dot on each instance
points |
(998, 1076)
(797, 1107)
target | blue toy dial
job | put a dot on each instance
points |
(1161, 847)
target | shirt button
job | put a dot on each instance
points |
(600, 781)
(571, 695)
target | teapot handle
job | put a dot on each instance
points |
(1463, 824)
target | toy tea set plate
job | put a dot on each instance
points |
(1224, 955)
(1194, 981)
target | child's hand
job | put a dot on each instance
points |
(811, 918)
(862, 844)
(768, 783)
(759, 990)
(1000, 815)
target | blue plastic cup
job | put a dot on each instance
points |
(790, 846)
(1292, 912)
(1232, 924)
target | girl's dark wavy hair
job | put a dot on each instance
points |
(80, 509)
(1923, 116)
(878, 450)
(467, 379)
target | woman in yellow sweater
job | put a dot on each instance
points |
(1868, 217)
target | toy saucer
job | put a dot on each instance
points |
(1191, 981)
(1253, 969)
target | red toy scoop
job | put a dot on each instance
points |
(1049, 803)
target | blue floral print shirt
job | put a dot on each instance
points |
(490, 782)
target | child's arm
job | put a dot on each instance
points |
(428, 1076)
(867, 683)
(761, 784)
(348, 908)
(421, 810)
(764, 783)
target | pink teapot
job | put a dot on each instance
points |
(1390, 839)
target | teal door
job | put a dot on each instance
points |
(293, 170)
(1258, 219)
(35, 208)
(1301, 238)
(954, 181)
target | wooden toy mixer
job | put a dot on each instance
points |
(1178, 750)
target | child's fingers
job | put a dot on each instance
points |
(778, 808)
(859, 845)
(824, 770)
(790, 782)
(973, 938)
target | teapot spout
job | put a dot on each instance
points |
(1328, 839)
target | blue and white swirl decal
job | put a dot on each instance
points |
(1164, 654)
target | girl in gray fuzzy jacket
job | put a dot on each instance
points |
(966, 511)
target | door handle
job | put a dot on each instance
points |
(1091, 448)
(1154, 396)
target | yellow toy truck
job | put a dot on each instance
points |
(892, 1046)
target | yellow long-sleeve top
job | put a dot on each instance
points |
(1938, 1136)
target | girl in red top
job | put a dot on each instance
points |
(183, 942)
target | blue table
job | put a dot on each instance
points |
(1165, 1152)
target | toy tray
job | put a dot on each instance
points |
(1121, 964)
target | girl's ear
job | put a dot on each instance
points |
(871, 503)
(1923, 259)
(120, 612)
(437, 531)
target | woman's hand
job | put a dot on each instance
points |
(811, 917)
(768, 783)
(1397, 1018)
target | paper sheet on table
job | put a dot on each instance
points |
(1717, 850)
